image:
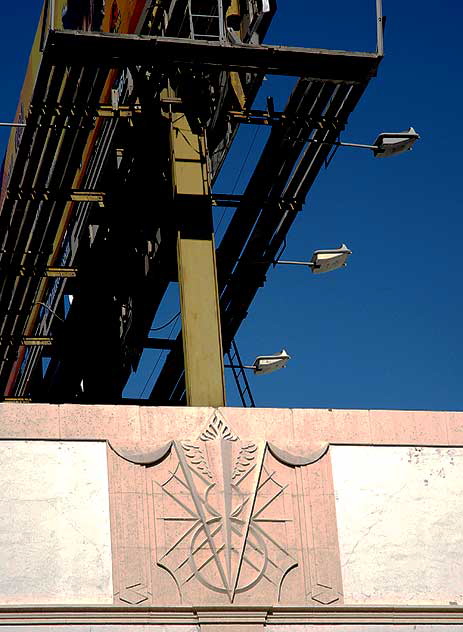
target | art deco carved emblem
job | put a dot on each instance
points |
(224, 516)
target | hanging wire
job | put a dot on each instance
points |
(161, 354)
(239, 174)
(50, 310)
(166, 324)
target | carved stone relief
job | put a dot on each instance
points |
(219, 517)
(130, 532)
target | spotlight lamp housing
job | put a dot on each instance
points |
(265, 364)
(390, 143)
(328, 260)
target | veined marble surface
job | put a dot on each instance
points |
(55, 545)
(400, 517)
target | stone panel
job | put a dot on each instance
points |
(224, 519)
(400, 516)
(54, 523)
(130, 529)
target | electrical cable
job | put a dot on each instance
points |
(50, 310)
(166, 324)
(161, 354)
(239, 174)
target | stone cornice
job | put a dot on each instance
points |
(116, 615)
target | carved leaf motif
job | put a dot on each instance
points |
(245, 457)
(197, 458)
(218, 429)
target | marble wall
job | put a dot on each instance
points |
(400, 516)
(54, 523)
(181, 509)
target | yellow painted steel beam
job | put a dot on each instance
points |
(122, 111)
(190, 176)
(202, 338)
(62, 273)
(54, 272)
(237, 86)
(88, 196)
(233, 10)
(197, 271)
(37, 341)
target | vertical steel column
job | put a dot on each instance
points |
(197, 273)
(202, 339)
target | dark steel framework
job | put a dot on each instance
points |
(118, 233)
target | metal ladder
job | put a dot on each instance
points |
(200, 22)
(239, 374)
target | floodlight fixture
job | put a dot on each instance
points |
(265, 364)
(322, 260)
(390, 143)
(328, 260)
(386, 144)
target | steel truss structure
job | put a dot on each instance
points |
(105, 231)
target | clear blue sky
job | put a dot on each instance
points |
(386, 331)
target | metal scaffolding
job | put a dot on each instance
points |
(154, 114)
